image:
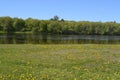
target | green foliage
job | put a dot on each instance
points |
(18, 24)
(56, 26)
(55, 18)
(43, 26)
(31, 24)
(6, 24)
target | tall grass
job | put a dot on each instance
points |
(59, 62)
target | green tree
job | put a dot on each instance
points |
(32, 24)
(18, 24)
(55, 18)
(54, 27)
(6, 24)
(43, 26)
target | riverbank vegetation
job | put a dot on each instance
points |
(59, 62)
(57, 26)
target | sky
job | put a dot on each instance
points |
(77, 10)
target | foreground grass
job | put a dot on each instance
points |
(60, 62)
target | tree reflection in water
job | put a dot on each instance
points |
(23, 38)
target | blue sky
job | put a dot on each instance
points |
(78, 10)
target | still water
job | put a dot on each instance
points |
(57, 39)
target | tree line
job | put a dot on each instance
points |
(56, 26)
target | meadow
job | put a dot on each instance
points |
(60, 62)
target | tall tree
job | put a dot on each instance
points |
(6, 24)
(18, 24)
(55, 18)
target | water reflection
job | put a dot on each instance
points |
(57, 39)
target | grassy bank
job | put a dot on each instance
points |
(1, 32)
(59, 62)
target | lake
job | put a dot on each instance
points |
(23, 38)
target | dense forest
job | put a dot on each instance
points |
(58, 26)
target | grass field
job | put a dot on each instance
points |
(59, 62)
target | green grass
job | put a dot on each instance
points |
(59, 62)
